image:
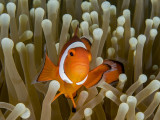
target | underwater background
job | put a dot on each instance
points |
(123, 30)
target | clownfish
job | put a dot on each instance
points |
(73, 69)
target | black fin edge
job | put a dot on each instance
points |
(73, 109)
(121, 64)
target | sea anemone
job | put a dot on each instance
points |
(123, 30)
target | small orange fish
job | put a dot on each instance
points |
(73, 68)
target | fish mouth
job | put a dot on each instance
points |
(80, 67)
(81, 64)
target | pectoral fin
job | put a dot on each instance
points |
(48, 72)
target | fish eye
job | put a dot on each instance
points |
(71, 53)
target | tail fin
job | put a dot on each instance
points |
(116, 68)
(95, 75)
(109, 70)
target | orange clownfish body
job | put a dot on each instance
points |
(73, 71)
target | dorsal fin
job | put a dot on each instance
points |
(86, 42)
(76, 30)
